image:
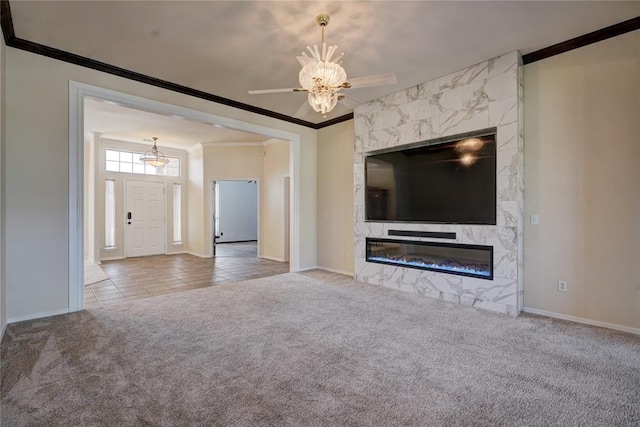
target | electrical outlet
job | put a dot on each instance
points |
(562, 286)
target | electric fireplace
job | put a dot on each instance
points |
(452, 258)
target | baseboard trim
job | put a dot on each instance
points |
(37, 315)
(333, 270)
(166, 253)
(635, 331)
(315, 267)
(177, 253)
(272, 258)
(197, 254)
(117, 258)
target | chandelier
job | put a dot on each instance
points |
(322, 76)
(154, 157)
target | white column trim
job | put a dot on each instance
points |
(76, 198)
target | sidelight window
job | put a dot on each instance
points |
(110, 214)
(177, 214)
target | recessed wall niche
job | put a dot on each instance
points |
(486, 95)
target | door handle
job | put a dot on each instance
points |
(128, 215)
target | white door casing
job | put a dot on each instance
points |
(215, 209)
(287, 210)
(215, 217)
(144, 219)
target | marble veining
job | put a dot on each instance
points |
(489, 94)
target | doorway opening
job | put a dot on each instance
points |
(78, 92)
(236, 218)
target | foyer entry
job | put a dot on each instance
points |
(146, 277)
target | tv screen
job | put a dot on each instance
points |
(450, 182)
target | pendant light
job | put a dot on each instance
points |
(154, 157)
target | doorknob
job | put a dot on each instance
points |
(128, 215)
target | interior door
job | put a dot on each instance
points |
(145, 219)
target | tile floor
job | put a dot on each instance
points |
(145, 277)
(241, 249)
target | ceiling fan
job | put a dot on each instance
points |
(323, 77)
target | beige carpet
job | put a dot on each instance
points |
(93, 273)
(313, 349)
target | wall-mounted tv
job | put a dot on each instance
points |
(444, 181)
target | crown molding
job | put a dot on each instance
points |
(334, 121)
(194, 148)
(584, 40)
(6, 20)
(11, 40)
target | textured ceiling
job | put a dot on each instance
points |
(227, 48)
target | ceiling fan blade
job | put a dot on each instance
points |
(304, 60)
(349, 101)
(303, 110)
(289, 89)
(375, 80)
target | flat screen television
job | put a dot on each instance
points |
(452, 182)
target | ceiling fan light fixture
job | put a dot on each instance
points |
(322, 73)
(154, 157)
(323, 101)
(322, 77)
(323, 80)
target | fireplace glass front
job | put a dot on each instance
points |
(452, 258)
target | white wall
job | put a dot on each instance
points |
(238, 211)
(36, 196)
(335, 197)
(195, 202)
(90, 188)
(276, 167)
(582, 129)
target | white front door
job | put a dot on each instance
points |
(144, 220)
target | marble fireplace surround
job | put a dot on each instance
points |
(451, 258)
(486, 95)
